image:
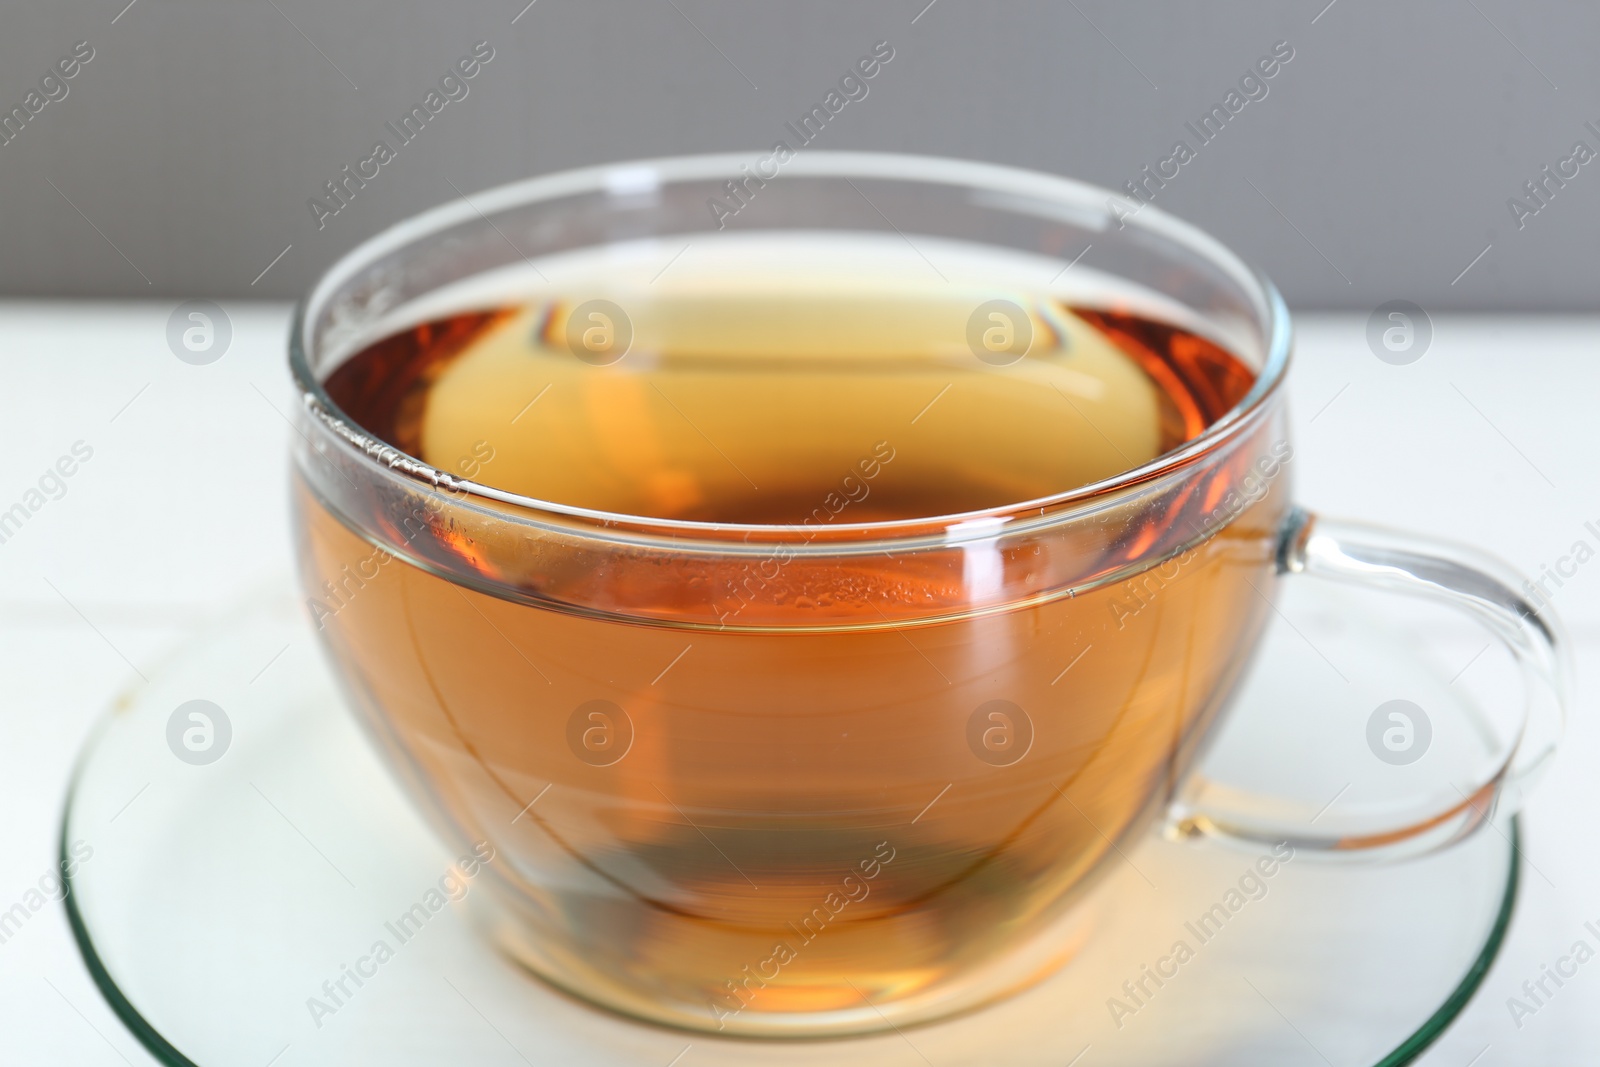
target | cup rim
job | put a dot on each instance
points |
(1068, 195)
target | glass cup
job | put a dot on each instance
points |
(742, 817)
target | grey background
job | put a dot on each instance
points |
(1382, 158)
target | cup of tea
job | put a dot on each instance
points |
(806, 579)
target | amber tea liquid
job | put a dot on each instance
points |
(745, 788)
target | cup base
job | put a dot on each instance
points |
(285, 895)
(496, 920)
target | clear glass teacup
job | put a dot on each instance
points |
(844, 752)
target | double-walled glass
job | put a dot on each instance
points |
(723, 813)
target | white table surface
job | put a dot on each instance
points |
(183, 509)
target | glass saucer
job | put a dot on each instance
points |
(231, 883)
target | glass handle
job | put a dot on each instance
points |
(1465, 579)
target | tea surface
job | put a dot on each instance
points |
(721, 392)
